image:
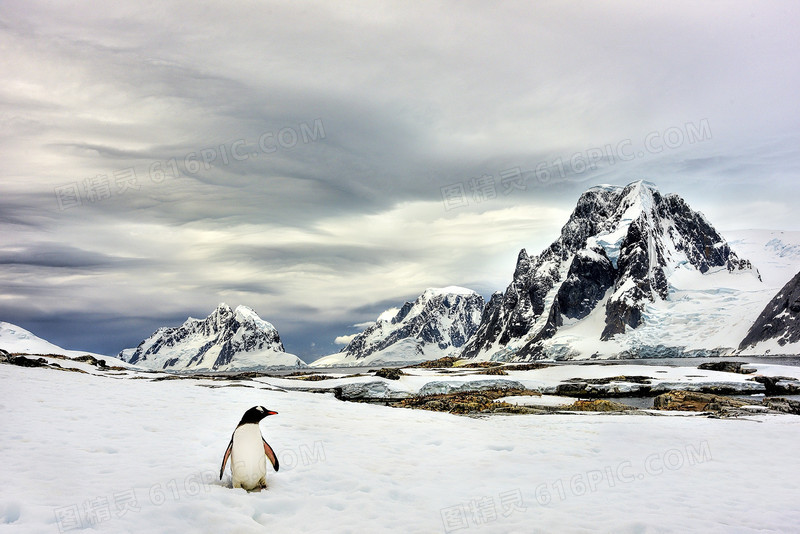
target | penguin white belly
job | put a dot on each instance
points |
(248, 461)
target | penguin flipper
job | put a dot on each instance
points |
(270, 454)
(225, 458)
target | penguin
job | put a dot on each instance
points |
(249, 451)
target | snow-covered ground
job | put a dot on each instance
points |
(120, 454)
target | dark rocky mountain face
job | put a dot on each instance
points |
(780, 320)
(613, 251)
(588, 279)
(446, 319)
(695, 237)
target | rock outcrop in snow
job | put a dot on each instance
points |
(777, 329)
(614, 258)
(438, 323)
(226, 340)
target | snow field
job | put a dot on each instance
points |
(140, 456)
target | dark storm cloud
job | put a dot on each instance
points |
(19, 213)
(58, 255)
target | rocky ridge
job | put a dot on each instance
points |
(227, 339)
(437, 323)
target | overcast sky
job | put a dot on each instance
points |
(323, 161)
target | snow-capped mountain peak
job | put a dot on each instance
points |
(622, 250)
(246, 315)
(228, 339)
(437, 323)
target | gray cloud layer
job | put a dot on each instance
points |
(291, 156)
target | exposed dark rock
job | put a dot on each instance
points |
(619, 315)
(589, 277)
(728, 367)
(447, 361)
(779, 385)
(90, 360)
(596, 388)
(24, 361)
(468, 402)
(526, 366)
(481, 365)
(780, 319)
(389, 373)
(493, 371)
(691, 401)
(313, 377)
(242, 375)
(598, 405)
(780, 404)
(572, 389)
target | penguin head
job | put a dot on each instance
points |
(255, 414)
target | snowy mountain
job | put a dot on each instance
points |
(777, 329)
(633, 273)
(437, 324)
(226, 340)
(15, 339)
